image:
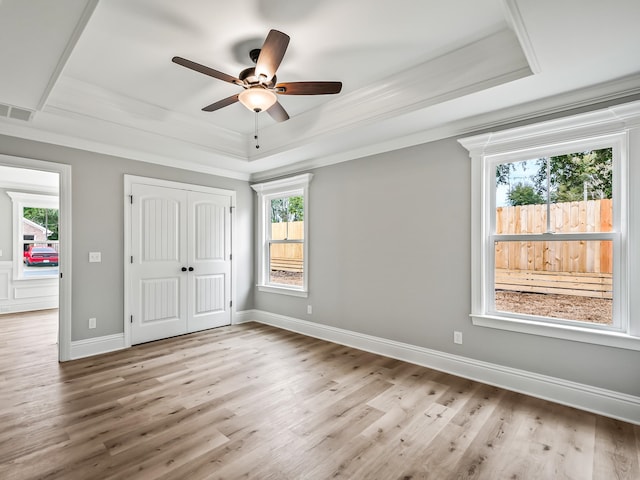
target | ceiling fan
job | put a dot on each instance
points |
(260, 82)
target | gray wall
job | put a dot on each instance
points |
(389, 256)
(98, 225)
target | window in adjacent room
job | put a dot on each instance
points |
(36, 242)
(283, 224)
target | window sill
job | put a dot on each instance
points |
(564, 332)
(283, 290)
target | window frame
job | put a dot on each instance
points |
(267, 191)
(593, 130)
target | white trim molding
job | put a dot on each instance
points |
(597, 400)
(243, 316)
(97, 345)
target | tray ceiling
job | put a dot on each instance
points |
(98, 74)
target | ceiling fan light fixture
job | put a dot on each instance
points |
(257, 99)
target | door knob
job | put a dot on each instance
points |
(184, 269)
(191, 269)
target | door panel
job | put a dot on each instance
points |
(160, 299)
(209, 294)
(210, 283)
(159, 248)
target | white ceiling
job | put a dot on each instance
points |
(29, 180)
(98, 74)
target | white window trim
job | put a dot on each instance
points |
(266, 191)
(618, 126)
(21, 200)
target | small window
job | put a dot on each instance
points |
(286, 241)
(283, 224)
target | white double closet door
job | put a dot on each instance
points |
(180, 266)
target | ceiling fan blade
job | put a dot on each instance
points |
(221, 103)
(271, 54)
(277, 112)
(206, 70)
(308, 88)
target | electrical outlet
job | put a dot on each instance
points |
(92, 322)
(457, 337)
(95, 257)
(309, 309)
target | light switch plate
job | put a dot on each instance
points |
(95, 257)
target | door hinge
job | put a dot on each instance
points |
(60, 274)
(231, 256)
(231, 304)
(231, 209)
(131, 199)
(131, 319)
(131, 258)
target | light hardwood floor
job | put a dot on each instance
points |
(256, 402)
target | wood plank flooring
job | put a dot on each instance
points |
(252, 401)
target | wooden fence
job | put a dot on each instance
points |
(556, 256)
(581, 268)
(567, 267)
(287, 257)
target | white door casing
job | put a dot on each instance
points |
(180, 261)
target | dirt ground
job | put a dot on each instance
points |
(586, 309)
(286, 278)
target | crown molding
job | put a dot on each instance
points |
(72, 97)
(515, 20)
(488, 62)
(167, 153)
(623, 90)
(68, 49)
(595, 123)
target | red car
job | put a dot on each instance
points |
(41, 256)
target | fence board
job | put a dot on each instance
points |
(287, 257)
(556, 256)
(598, 285)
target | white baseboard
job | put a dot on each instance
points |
(585, 397)
(96, 346)
(31, 306)
(244, 316)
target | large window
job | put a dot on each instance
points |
(283, 223)
(554, 236)
(552, 230)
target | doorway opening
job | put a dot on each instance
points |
(35, 249)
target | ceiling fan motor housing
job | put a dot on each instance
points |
(254, 54)
(249, 77)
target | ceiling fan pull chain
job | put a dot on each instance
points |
(255, 134)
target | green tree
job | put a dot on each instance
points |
(524, 195)
(288, 209)
(503, 171)
(46, 217)
(576, 176)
